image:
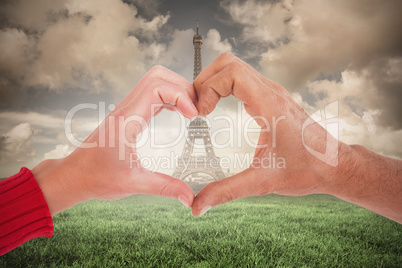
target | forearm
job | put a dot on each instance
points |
(369, 180)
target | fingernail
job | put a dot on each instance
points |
(184, 200)
(205, 209)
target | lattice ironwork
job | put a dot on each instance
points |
(189, 163)
(197, 42)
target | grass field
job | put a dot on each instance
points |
(268, 231)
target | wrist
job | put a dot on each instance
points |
(334, 178)
(60, 184)
(346, 177)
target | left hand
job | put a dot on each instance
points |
(104, 172)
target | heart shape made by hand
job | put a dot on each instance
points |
(284, 136)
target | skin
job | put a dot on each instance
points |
(359, 176)
(97, 173)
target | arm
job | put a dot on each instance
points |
(369, 180)
(351, 173)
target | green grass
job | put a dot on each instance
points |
(268, 231)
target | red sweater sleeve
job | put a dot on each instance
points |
(24, 213)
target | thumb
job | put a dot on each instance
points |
(164, 185)
(246, 183)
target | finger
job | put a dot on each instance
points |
(156, 94)
(210, 98)
(167, 107)
(216, 66)
(248, 85)
(167, 75)
(162, 73)
(220, 63)
(234, 79)
(179, 99)
(160, 184)
(246, 183)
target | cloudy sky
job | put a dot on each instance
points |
(55, 55)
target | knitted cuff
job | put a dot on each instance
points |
(24, 213)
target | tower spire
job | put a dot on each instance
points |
(197, 42)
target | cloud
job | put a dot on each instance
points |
(60, 151)
(50, 129)
(90, 45)
(176, 53)
(38, 120)
(262, 21)
(16, 144)
(363, 130)
(384, 74)
(213, 46)
(358, 124)
(32, 16)
(148, 9)
(340, 34)
(263, 25)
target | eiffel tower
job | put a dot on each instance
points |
(198, 129)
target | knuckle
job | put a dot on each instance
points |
(155, 84)
(226, 56)
(156, 70)
(197, 83)
(262, 188)
(166, 190)
(223, 194)
(203, 110)
(235, 68)
(225, 197)
(198, 92)
(206, 105)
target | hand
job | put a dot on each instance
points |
(111, 170)
(281, 120)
